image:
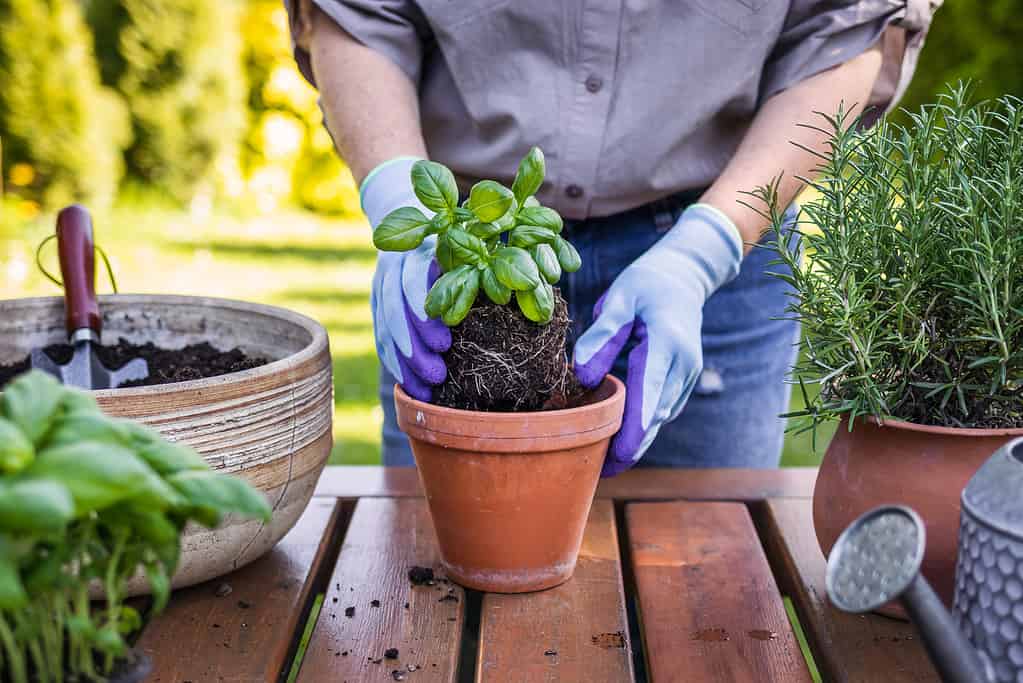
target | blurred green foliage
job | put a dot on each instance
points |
(286, 146)
(62, 132)
(974, 40)
(218, 107)
(179, 71)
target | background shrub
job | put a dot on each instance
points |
(177, 63)
(62, 132)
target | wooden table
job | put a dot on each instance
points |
(681, 578)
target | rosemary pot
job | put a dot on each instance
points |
(891, 462)
(509, 493)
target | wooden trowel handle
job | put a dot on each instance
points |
(77, 267)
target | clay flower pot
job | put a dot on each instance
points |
(270, 425)
(923, 467)
(510, 492)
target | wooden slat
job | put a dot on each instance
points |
(578, 631)
(846, 647)
(709, 607)
(246, 635)
(351, 482)
(386, 537)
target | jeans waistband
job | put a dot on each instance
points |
(661, 213)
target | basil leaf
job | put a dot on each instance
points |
(507, 221)
(439, 223)
(434, 185)
(489, 200)
(216, 494)
(12, 593)
(100, 474)
(464, 299)
(537, 304)
(35, 506)
(467, 248)
(483, 230)
(16, 452)
(546, 262)
(568, 257)
(463, 215)
(497, 292)
(445, 290)
(529, 235)
(159, 582)
(531, 201)
(31, 402)
(75, 401)
(541, 216)
(168, 458)
(445, 256)
(401, 230)
(88, 426)
(516, 269)
(530, 175)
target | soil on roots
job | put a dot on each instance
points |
(501, 361)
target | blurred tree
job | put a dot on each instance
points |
(287, 152)
(62, 131)
(971, 40)
(178, 65)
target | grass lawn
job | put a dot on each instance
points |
(321, 267)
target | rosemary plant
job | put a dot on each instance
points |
(912, 305)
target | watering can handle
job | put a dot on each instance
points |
(77, 266)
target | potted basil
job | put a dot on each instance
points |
(88, 500)
(912, 310)
(510, 449)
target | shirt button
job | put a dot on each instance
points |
(594, 83)
(574, 191)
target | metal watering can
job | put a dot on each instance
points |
(877, 559)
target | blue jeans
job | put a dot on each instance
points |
(732, 417)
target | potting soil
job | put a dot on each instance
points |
(501, 361)
(166, 366)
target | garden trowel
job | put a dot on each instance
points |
(77, 266)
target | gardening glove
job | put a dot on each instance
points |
(408, 342)
(658, 301)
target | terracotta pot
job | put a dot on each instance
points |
(270, 425)
(923, 467)
(510, 492)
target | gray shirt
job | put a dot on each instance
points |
(630, 100)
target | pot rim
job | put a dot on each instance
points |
(942, 431)
(618, 385)
(317, 342)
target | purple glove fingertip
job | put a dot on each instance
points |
(412, 384)
(424, 360)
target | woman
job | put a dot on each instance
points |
(654, 118)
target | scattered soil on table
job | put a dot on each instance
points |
(609, 640)
(391, 653)
(421, 576)
(717, 635)
(501, 361)
(762, 634)
(166, 366)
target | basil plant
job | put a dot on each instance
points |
(89, 500)
(499, 240)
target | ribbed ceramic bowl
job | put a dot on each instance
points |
(270, 425)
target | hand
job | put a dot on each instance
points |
(408, 342)
(658, 301)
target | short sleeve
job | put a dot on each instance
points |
(821, 34)
(395, 28)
